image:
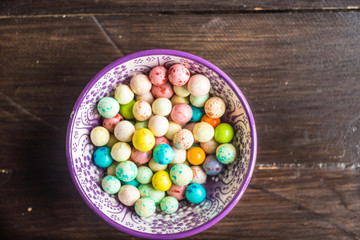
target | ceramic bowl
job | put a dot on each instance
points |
(223, 191)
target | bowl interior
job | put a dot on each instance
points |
(223, 191)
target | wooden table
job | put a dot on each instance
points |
(297, 63)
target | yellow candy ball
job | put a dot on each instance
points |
(143, 140)
(161, 181)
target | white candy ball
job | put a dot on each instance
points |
(140, 84)
(162, 106)
(158, 125)
(179, 155)
(121, 151)
(173, 128)
(203, 132)
(124, 131)
(147, 97)
(198, 85)
(128, 195)
(99, 136)
(181, 91)
(123, 94)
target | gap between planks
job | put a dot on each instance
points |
(242, 11)
(325, 166)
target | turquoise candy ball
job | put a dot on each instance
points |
(195, 193)
(134, 183)
(102, 157)
(110, 184)
(145, 207)
(224, 133)
(108, 107)
(226, 153)
(144, 175)
(126, 171)
(197, 113)
(163, 154)
(169, 205)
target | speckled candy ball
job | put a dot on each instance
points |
(198, 85)
(111, 184)
(210, 146)
(126, 171)
(163, 91)
(145, 207)
(121, 151)
(212, 166)
(163, 154)
(215, 107)
(110, 123)
(158, 75)
(99, 136)
(181, 113)
(181, 174)
(141, 110)
(195, 193)
(158, 125)
(203, 132)
(140, 84)
(226, 153)
(123, 94)
(169, 205)
(199, 101)
(183, 139)
(145, 189)
(128, 195)
(178, 75)
(199, 175)
(197, 113)
(161, 181)
(108, 107)
(177, 191)
(143, 140)
(102, 157)
(144, 175)
(172, 129)
(124, 131)
(140, 157)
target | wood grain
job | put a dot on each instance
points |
(48, 7)
(299, 72)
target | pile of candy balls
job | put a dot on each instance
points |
(159, 147)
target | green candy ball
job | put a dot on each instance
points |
(126, 110)
(224, 133)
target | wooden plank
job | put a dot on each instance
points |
(45, 7)
(298, 71)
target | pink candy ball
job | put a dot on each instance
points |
(158, 75)
(160, 140)
(181, 113)
(183, 139)
(163, 91)
(177, 191)
(140, 157)
(179, 75)
(140, 84)
(110, 123)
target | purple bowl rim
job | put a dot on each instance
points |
(253, 147)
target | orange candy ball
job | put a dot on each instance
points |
(196, 155)
(212, 121)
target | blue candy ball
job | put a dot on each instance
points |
(212, 166)
(133, 182)
(197, 113)
(102, 157)
(195, 193)
(163, 154)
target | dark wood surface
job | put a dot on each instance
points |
(299, 70)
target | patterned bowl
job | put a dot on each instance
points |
(223, 191)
